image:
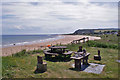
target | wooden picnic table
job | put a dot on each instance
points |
(58, 47)
(78, 60)
(57, 50)
(62, 48)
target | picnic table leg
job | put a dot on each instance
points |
(86, 60)
(47, 56)
(69, 55)
(63, 51)
(64, 56)
(83, 61)
(78, 64)
(51, 50)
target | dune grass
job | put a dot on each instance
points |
(23, 64)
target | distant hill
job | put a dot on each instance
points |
(92, 31)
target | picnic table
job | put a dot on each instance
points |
(62, 48)
(79, 58)
(57, 50)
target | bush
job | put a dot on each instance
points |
(25, 53)
(21, 53)
(101, 45)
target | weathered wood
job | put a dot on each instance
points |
(82, 39)
(84, 51)
(57, 47)
(98, 52)
(47, 52)
(61, 51)
(78, 64)
(40, 61)
(67, 53)
(78, 60)
(87, 39)
(81, 57)
(80, 49)
(41, 66)
(97, 57)
(85, 60)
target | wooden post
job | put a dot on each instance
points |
(78, 64)
(63, 50)
(98, 52)
(97, 57)
(40, 61)
(75, 42)
(84, 40)
(84, 51)
(86, 60)
(87, 39)
(80, 49)
(79, 41)
(41, 67)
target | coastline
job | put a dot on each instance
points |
(66, 40)
(18, 40)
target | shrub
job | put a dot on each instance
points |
(25, 53)
(101, 45)
(21, 53)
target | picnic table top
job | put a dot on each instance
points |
(58, 47)
(81, 57)
(67, 53)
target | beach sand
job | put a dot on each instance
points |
(66, 40)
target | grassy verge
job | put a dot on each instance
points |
(23, 64)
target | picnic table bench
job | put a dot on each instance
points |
(48, 53)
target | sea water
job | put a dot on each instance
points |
(11, 40)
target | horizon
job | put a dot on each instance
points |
(60, 17)
(57, 33)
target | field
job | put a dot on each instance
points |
(104, 30)
(23, 64)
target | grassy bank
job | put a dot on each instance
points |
(23, 64)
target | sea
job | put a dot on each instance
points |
(12, 40)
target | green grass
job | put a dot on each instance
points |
(23, 64)
(101, 44)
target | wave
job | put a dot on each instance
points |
(35, 41)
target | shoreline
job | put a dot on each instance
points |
(32, 42)
(7, 51)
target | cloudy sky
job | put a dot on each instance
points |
(58, 16)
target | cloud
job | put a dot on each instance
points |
(59, 16)
(18, 27)
(62, 0)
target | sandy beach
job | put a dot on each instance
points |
(66, 40)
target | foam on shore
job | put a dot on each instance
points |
(33, 42)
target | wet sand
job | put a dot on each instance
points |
(66, 40)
